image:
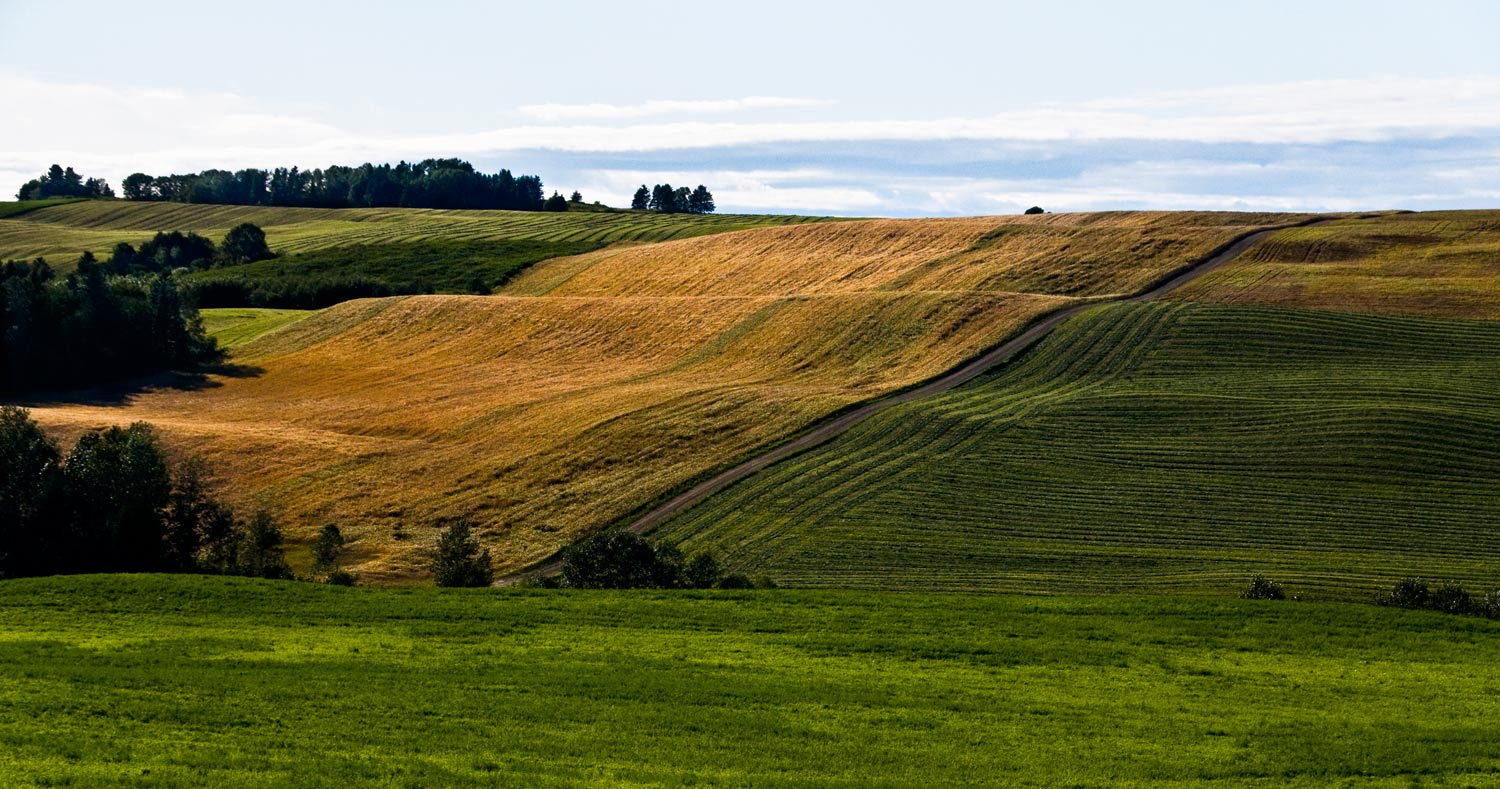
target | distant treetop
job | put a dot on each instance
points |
(63, 182)
(1036, 209)
(664, 199)
(430, 183)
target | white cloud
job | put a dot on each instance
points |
(608, 112)
(110, 132)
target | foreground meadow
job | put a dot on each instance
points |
(595, 384)
(178, 681)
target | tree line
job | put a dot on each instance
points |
(664, 199)
(63, 182)
(90, 328)
(115, 504)
(430, 183)
(111, 320)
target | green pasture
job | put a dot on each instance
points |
(1158, 447)
(199, 681)
(235, 326)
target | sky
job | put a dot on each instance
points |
(860, 108)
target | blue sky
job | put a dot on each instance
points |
(869, 108)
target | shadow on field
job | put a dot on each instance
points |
(122, 393)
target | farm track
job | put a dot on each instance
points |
(964, 373)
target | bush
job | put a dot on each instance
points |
(1262, 588)
(459, 560)
(736, 581)
(1407, 593)
(1451, 598)
(340, 577)
(1036, 209)
(703, 571)
(1490, 606)
(613, 560)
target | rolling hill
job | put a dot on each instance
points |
(1166, 447)
(598, 383)
(62, 232)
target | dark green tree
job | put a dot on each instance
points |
(327, 549)
(621, 560)
(261, 555)
(642, 199)
(197, 524)
(459, 560)
(663, 199)
(703, 572)
(245, 243)
(139, 186)
(1036, 209)
(118, 489)
(701, 201)
(30, 470)
(576, 197)
(556, 203)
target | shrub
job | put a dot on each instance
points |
(1036, 209)
(459, 559)
(1490, 606)
(703, 571)
(736, 581)
(1407, 593)
(1262, 588)
(612, 560)
(340, 577)
(1451, 598)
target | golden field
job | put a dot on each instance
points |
(596, 384)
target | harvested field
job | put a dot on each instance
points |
(62, 232)
(607, 380)
(1165, 447)
(1441, 264)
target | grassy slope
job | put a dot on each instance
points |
(416, 267)
(18, 207)
(153, 681)
(235, 326)
(608, 379)
(1156, 446)
(63, 232)
(1440, 264)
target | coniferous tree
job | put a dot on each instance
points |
(642, 199)
(701, 201)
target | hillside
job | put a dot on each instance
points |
(1178, 448)
(172, 681)
(1155, 447)
(62, 232)
(604, 381)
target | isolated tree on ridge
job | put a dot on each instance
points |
(642, 199)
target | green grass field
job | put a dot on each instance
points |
(196, 681)
(233, 326)
(417, 267)
(62, 232)
(1161, 447)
